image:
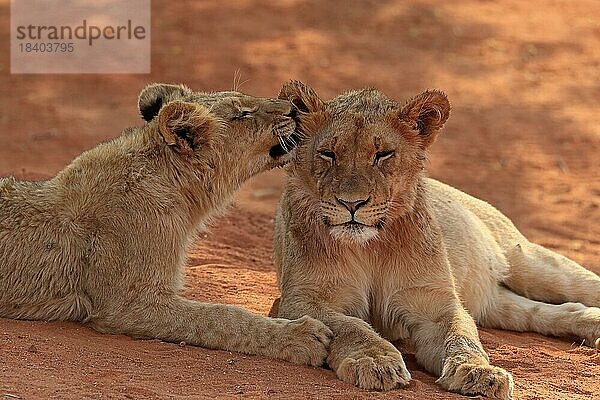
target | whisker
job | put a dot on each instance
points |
(282, 143)
(237, 80)
(291, 142)
(301, 135)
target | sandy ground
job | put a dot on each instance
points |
(524, 135)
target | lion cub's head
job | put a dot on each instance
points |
(257, 133)
(363, 156)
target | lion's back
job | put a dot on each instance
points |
(501, 227)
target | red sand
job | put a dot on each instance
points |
(524, 135)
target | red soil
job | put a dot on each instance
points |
(523, 135)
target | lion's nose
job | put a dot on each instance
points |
(283, 107)
(293, 112)
(352, 206)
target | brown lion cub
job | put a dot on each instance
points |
(104, 242)
(368, 245)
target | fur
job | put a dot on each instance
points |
(441, 262)
(104, 242)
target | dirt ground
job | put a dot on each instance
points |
(524, 135)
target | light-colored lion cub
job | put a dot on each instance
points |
(368, 245)
(104, 242)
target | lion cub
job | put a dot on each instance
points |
(104, 242)
(368, 245)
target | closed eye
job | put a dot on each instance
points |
(244, 113)
(383, 155)
(327, 155)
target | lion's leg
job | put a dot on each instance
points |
(357, 353)
(447, 344)
(217, 326)
(518, 313)
(541, 274)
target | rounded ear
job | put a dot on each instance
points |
(186, 126)
(427, 112)
(302, 96)
(155, 95)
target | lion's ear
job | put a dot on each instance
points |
(427, 112)
(186, 126)
(156, 95)
(302, 96)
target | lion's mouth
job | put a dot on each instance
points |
(354, 225)
(288, 134)
(354, 232)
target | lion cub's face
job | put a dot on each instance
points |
(257, 132)
(363, 155)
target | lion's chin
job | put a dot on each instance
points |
(354, 234)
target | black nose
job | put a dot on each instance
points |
(352, 206)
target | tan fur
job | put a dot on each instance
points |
(427, 262)
(104, 242)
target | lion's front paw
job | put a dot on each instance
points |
(592, 341)
(305, 341)
(372, 371)
(473, 379)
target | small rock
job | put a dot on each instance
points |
(238, 389)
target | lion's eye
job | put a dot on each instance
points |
(244, 113)
(327, 155)
(383, 155)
